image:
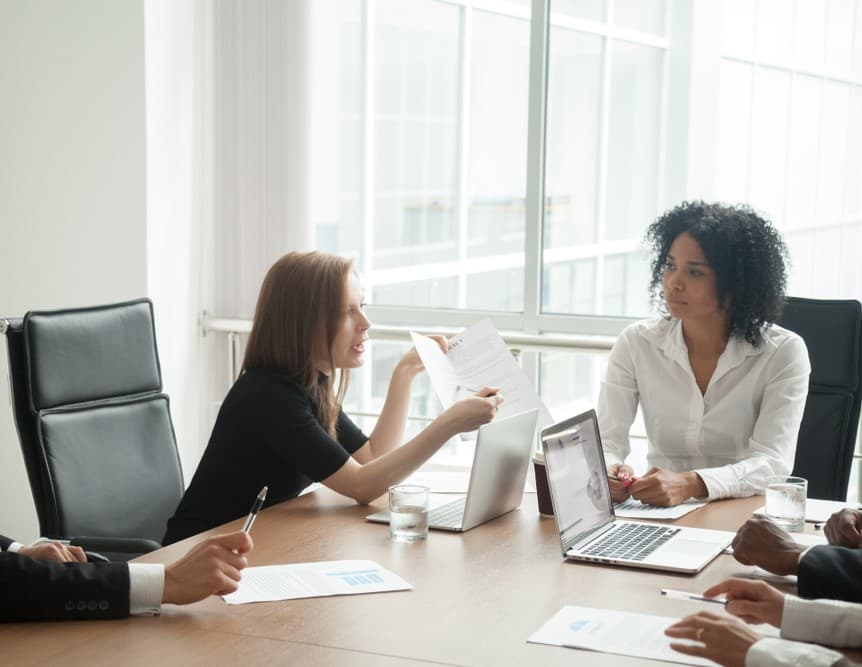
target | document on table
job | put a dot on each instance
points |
(818, 511)
(617, 632)
(310, 580)
(478, 357)
(635, 509)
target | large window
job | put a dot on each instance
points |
(478, 164)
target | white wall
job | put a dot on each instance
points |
(72, 177)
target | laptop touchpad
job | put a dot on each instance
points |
(684, 547)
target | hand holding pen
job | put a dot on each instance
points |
(621, 477)
(255, 508)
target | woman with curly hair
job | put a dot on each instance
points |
(721, 387)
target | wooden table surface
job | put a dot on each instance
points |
(477, 597)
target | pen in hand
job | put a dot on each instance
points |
(258, 503)
(628, 482)
(685, 595)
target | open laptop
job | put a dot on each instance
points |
(584, 511)
(503, 451)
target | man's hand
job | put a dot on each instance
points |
(665, 488)
(844, 528)
(209, 568)
(59, 553)
(752, 601)
(762, 542)
(725, 640)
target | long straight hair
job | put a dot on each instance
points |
(300, 306)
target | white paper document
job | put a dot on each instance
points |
(818, 511)
(478, 357)
(635, 509)
(310, 580)
(618, 632)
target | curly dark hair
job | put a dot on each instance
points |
(744, 250)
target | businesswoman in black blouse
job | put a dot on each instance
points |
(281, 424)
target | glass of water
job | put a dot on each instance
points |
(785, 501)
(408, 513)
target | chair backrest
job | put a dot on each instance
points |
(94, 426)
(832, 330)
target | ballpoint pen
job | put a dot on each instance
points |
(685, 595)
(258, 503)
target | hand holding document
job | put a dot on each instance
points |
(477, 358)
(617, 632)
(309, 580)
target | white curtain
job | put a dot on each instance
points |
(227, 179)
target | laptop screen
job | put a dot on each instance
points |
(577, 477)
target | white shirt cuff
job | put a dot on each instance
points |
(771, 651)
(15, 547)
(146, 588)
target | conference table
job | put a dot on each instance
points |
(477, 597)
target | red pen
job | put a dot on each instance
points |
(628, 482)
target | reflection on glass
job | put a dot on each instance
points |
(569, 381)
(769, 142)
(734, 131)
(497, 150)
(633, 139)
(641, 15)
(335, 128)
(594, 10)
(415, 102)
(737, 27)
(570, 287)
(803, 148)
(429, 293)
(573, 131)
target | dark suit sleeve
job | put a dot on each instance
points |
(831, 572)
(41, 590)
(5, 542)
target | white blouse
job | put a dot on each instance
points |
(831, 622)
(742, 430)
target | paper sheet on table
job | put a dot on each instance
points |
(450, 482)
(817, 510)
(310, 580)
(635, 509)
(478, 357)
(617, 632)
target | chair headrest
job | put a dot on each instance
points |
(87, 354)
(831, 329)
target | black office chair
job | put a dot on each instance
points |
(94, 426)
(832, 330)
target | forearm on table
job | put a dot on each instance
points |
(366, 482)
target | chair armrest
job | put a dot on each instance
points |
(116, 548)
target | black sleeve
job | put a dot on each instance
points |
(297, 437)
(350, 435)
(5, 542)
(831, 572)
(36, 590)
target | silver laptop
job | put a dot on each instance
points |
(503, 451)
(584, 511)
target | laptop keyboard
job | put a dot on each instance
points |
(448, 515)
(632, 541)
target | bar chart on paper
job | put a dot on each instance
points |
(308, 580)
